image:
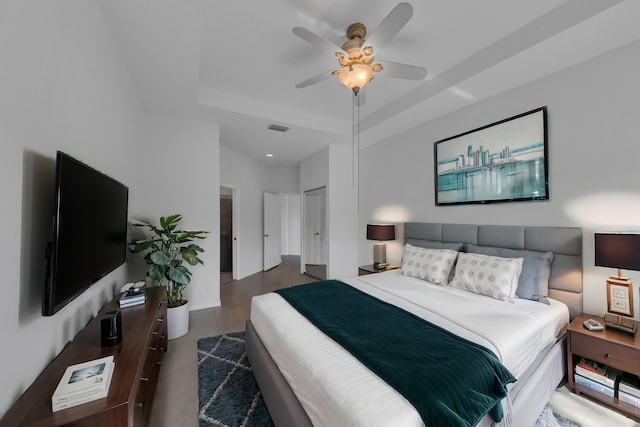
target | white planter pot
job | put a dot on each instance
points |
(177, 321)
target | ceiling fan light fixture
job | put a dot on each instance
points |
(355, 76)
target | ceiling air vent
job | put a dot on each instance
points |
(278, 128)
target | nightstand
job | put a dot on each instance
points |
(363, 270)
(610, 348)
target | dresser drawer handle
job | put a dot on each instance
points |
(144, 379)
(139, 405)
(160, 319)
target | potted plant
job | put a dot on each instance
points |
(165, 251)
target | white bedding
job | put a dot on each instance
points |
(336, 390)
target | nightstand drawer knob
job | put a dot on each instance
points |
(608, 356)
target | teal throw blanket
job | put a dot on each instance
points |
(450, 381)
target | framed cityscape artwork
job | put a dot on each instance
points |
(502, 162)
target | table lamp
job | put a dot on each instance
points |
(381, 233)
(621, 251)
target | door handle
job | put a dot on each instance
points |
(266, 235)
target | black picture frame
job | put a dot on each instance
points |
(505, 161)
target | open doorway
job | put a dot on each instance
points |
(227, 235)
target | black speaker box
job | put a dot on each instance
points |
(111, 328)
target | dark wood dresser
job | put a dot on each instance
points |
(137, 357)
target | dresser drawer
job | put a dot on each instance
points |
(609, 353)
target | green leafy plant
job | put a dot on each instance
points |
(165, 251)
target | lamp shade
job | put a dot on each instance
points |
(381, 232)
(617, 250)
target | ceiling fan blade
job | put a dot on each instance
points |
(390, 25)
(317, 41)
(314, 80)
(402, 71)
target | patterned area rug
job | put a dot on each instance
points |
(227, 391)
(229, 396)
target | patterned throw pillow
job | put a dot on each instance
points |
(533, 283)
(432, 265)
(487, 275)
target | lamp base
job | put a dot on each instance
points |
(379, 254)
(617, 323)
(627, 330)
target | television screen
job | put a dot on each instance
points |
(89, 231)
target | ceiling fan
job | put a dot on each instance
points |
(356, 55)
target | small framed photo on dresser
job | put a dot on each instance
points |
(619, 298)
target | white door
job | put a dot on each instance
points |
(271, 240)
(314, 235)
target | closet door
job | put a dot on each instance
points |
(272, 255)
(314, 236)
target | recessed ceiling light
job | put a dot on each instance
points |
(269, 155)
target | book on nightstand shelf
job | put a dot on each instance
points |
(594, 371)
(592, 366)
(593, 385)
(629, 398)
(83, 382)
(630, 384)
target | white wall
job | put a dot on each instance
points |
(314, 171)
(178, 174)
(63, 87)
(331, 168)
(593, 113)
(287, 180)
(251, 179)
(342, 206)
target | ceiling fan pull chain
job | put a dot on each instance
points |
(357, 173)
(353, 141)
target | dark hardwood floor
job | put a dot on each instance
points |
(176, 398)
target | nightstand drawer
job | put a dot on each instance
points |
(609, 353)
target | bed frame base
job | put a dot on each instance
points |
(283, 405)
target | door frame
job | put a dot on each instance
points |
(234, 229)
(304, 255)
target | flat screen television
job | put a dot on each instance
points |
(89, 231)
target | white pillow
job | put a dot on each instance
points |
(495, 277)
(432, 265)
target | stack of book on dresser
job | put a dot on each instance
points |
(82, 383)
(596, 376)
(134, 296)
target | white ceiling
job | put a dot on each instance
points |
(237, 62)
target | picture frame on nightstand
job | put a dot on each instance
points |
(620, 298)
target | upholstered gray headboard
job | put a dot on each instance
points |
(565, 283)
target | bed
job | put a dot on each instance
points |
(307, 379)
